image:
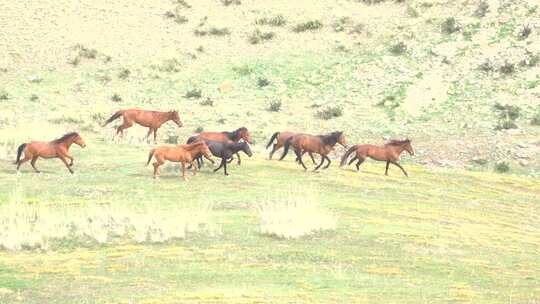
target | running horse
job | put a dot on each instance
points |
(181, 153)
(234, 136)
(390, 153)
(320, 144)
(58, 148)
(280, 138)
(150, 119)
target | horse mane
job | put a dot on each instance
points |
(330, 139)
(235, 135)
(66, 137)
(397, 142)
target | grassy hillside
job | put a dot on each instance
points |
(438, 236)
(460, 78)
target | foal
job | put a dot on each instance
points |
(150, 119)
(58, 148)
(320, 144)
(180, 153)
(390, 153)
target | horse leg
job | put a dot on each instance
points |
(159, 161)
(194, 167)
(184, 171)
(399, 166)
(352, 160)
(239, 162)
(209, 159)
(25, 159)
(155, 135)
(272, 152)
(387, 165)
(360, 161)
(299, 157)
(64, 160)
(329, 162)
(33, 163)
(147, 137)
(125, 125)
(322, 161)
(225, 167)
(312, 158)
(220, 165)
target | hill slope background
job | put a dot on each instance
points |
(429, 70)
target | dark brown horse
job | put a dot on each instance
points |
(320, 144)
(181, 153)
(150, 119)
(58, 148)
(389, 153)
(234, 136)
(281, 138)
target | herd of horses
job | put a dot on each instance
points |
(223, 145)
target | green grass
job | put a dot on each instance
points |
(441, 235)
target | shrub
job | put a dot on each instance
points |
(294, 218)
(507, 115)
(183, 3)
(530, 59)
(172, 139)
(389, 102)
(274, 106)
(200, 49)
(535, 121)
(170, 66)
(74, 61)
(262, 82)
(229, 2)
(26, 226)
(180, 19)
(4, 95)
(193, 93)
(124, 73)
(398, 48)
(257, 36)
(199, 129)
(412, 12)
(307, 26)
(502, 167)
(243, 70)
(486, 66)
(34, 97)
(219, 31)
(482, 9)
(330, 112)
(524, 32)
(221, 121)
(277, 20)
(207, 102)
(85, 52)
(116, 98)
(340, 24)
(507, 68)
(449, 26)
(357, 29)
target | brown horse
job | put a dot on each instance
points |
(58, 148)
(281, 138)
(320, 144)
(234, 136)
(150, 119)
(389, 153)
(180, 153)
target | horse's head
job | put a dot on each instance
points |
(408, 147)
(205, 150)
(341, 139)
(244, 134)
(246, 149)
(79, 141)
(173, 115)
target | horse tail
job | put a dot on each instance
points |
(19, 152)
(150, 156)
(274, 136)
(286, 148)
(192, 139)
(115, 116)
(346, 155)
